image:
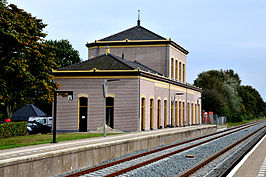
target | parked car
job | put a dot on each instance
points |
(43, 120)
(34, 127)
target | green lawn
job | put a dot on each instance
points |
(231, 124)
(28, 140)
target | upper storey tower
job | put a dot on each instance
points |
(140, 44)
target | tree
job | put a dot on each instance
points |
(220, 92)
(253, 104)
(25, 60)
(214, 102)
(224, 95)
(64, 53)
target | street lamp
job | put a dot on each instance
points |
(105, 93)
(70, 97)
(173, 103)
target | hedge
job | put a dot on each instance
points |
(13, 129)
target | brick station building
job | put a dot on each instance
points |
(151, 92)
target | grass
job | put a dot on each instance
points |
(19, 141)
(231, 124)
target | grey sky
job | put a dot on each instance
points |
(220, 34)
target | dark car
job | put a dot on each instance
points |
(36, 127)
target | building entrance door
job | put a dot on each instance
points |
(83, 112)
(110, 112)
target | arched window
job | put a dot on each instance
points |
(172, 113)
(151, 114)
(176, 69)
(142, 113)
(188, 114)
(179, 117)
(176, 113)
(184, 113)
(159, 114)
(172, 68)
(180, 71)
(184, 72)
(165, 113)
(192, 113)
(110, 111)
(195, 113)
(83, 113)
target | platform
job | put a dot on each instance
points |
(253, 164)
(55, 159)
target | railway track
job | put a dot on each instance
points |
(127, 165)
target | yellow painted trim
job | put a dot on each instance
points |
(83, 95)
(110, 95)
(109, 106)
(143, 96)
(173, 87)
(165, 98)
(129, 46)
(159, 98)
(95, 70)
(95, 77)
(152, 80)
(127, 40)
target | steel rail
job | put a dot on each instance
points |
(191, 171)
(93, 169)
(168, 154)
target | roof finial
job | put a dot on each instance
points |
(107, 50)
(138, 22)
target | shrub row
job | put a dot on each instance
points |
(13, 129)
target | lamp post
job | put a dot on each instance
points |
(173, 103)
(70, 97)
(105, 92)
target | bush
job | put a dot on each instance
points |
(13, 129)
(2, 117)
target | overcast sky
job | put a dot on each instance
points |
(220, 34)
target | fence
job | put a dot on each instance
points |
(210, 118)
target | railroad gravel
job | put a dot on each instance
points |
(218, 166)
(174, 165)
(130, 163)
(179, 163)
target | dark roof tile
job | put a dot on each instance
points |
(134, 33)
(108, 62)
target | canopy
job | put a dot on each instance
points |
(28, 110)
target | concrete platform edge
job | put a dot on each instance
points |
(64, 160)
